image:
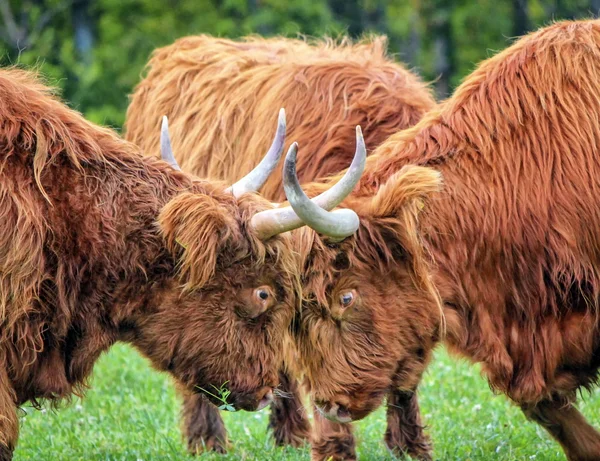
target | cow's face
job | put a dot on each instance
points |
(370, 315)
(224, 335)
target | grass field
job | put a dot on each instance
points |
(131, 413)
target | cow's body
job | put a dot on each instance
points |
(214, 90)
(515, 233)
(96, 244)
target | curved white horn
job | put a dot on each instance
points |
(166, 152)
(254, 180)
(333, 196)
(337, 224)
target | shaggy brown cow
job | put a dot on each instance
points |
(215, 90)
(221, 87)
(100, 244)
(515, 237)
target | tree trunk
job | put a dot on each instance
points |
(375, 19)
(413, 48)
(262, 29)
(520, 18)
(443, 50)
(349, 13)
(82, 29)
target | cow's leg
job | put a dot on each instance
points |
(203, 426)
(288, 419)
(580, 441)
(404, 434)
(9, 422)
(331, 441)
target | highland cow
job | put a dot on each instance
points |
(218, 90)
(514, 237)
(101, 244)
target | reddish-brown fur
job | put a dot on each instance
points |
(514, 235)
(380, 345)
(100, 244)
(216, 90)
(221, 96)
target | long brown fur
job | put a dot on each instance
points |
(100, 244)
(515, 234)
(221, 97)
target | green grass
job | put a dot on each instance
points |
(131, 413)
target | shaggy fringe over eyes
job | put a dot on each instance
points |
(396, 208)
(278, 249)
(196, 227)
(389, 227)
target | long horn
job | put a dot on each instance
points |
(166, 152)
(254, 180)
(337, 224)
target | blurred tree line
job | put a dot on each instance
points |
(96, 50)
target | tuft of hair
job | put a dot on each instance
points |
(222, 98)
(203, 232)
(405, 191)
(196, 228)
(396, 207)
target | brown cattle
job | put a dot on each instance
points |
(515, 240)
(214, 90)
(100, 244)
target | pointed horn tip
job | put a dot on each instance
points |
(359, 133)
(281, 121)
(292, 152)
(165, 120)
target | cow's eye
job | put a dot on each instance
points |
(262, 294)
(257, 301)
(347, 298)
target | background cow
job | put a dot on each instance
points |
(515, 239)
(100, 244)
(215, 89)
(218, 90)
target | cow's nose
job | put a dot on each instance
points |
(335, 411)
(266, 399)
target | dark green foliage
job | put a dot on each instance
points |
(95, 51)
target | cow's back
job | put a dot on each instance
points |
(222, 98)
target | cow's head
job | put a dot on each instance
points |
(370, 315)
(221, 325)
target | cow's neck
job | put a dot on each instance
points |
(458, 227)
(101, 293)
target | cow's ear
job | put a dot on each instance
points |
(405, 191)
(395, 208)
(196, 228)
